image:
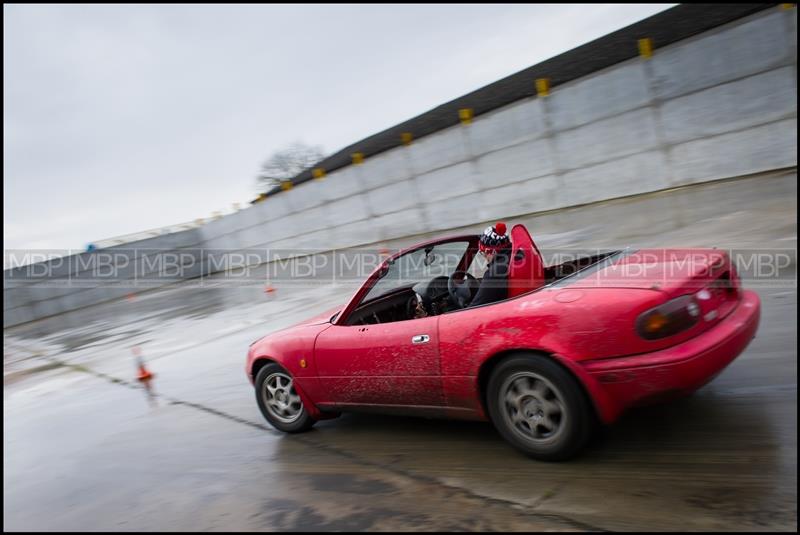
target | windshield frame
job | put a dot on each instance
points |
(380, 271)
(410, 268)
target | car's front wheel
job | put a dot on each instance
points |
(279, 402)
(539, 407)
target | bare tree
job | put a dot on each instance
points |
(287, 163)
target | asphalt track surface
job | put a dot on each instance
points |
(86, 448)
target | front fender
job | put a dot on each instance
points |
(293, 350)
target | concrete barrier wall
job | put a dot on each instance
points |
(721, 104)
(717, 105)
(75, 281)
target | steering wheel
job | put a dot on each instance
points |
(428, 292)
(462, 287)
(411, 306)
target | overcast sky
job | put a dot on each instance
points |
(122, 118)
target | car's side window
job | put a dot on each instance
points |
(417, 266)
(392, 297)
(478, 266)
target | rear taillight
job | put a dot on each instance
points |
(672, 317)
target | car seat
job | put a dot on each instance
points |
(526, 271)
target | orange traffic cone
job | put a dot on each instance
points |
(268, 289)
(144, 374)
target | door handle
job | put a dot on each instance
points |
(420, 339)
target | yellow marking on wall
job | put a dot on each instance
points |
(646, 48)
(465, 114)
(543, 87)
(358, 157)
(406, 138)
(318, 173)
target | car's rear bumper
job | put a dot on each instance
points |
(640, 379)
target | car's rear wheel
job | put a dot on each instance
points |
(539, 407)
(279, 402)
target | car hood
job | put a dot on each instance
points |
(322, 317)
(319, 319)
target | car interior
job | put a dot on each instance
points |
(445, 293)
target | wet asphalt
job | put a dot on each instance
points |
(87, 448)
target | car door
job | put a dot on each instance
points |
(385, 364)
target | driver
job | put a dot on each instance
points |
(495, 246)
(419, 310)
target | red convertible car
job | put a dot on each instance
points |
(573, 344)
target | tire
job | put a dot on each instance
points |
(539, 407)
(279, 402)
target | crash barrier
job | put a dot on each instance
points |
(45, 283)
(719, 104)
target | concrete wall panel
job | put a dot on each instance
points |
(733, 106)
(748, 151)
(611, 92)
(626, 176)
(731, 52)
(389, 167)
(515, 164)
(600, 141)
(391, 198)
(447, 182)
(510, 125)
(438, 150)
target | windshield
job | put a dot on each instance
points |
(419, 265)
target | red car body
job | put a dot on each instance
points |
(585, 321)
